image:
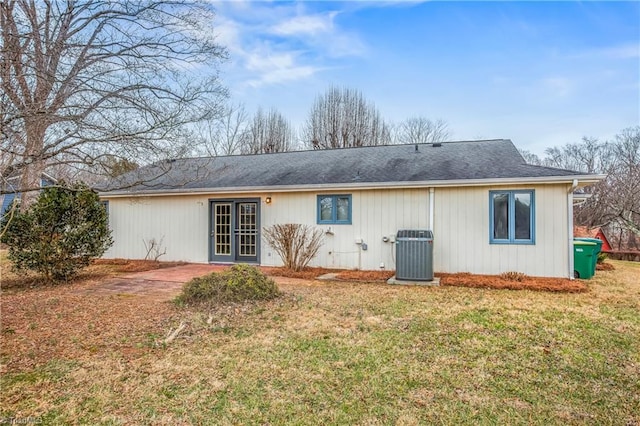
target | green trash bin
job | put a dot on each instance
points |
(598, 243)
(583, 253)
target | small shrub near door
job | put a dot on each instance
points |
(238, 284)
(295, 243)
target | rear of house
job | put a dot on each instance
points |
(489, 211)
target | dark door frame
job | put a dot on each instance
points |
(232, 257)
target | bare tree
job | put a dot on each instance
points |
(342, 118)
(615, 201)
(421, 130)
(268, 132)
(588, 156)
(114, 166)
(88, 78)
(530, 157)
(224, 133)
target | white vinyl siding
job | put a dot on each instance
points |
(461, 233)
(180, 221)
(375, 214)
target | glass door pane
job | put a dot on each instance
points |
(247, 230)
(222, 229)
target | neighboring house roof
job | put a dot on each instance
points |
(581, 197)
(597, 232)
(585, 232)
(9, 191)
(390, 165)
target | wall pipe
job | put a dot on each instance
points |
(432, 191)
(572, 188)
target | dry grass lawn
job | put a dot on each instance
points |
(328, 353)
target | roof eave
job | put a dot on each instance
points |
(583, 180)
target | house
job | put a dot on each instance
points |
(586, 232)
(490, 211)
(10, 192)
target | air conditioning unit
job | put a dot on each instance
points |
(414, 255)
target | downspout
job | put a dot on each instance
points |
(432, 191)
(573, 187)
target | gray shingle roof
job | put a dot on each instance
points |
(487, 159)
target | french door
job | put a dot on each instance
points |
(235, 230)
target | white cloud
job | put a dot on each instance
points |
(228, 34)
(344, 45)
(320, 34)
(276, 42)
(558, 86)
(281, 75)
(306, 25)
(276, 67)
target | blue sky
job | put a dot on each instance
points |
(540, 73)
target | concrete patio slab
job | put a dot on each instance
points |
(434, 283)
(331, 276)
(164, 283)
(180, 274)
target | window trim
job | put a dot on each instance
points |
(512, 215)
(334, 209)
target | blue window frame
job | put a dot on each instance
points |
(512, 217)
(334, 209)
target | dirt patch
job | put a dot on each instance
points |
(12, 280)
(605, 267)
(561, 285)
(342, 275)
(128, 265)
(519, 282)
(366, 276)
(306, 273)
(61, 322)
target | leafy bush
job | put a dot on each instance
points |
(59, 234)
(601, 257)
(295, 243)
(237, 284)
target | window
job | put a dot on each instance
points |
(334, 209)
(511, 217)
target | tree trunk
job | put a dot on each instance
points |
(32, 172)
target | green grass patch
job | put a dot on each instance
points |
(336, 353)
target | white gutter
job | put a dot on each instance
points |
(572, 188)
(584, 179)
(432, 191)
